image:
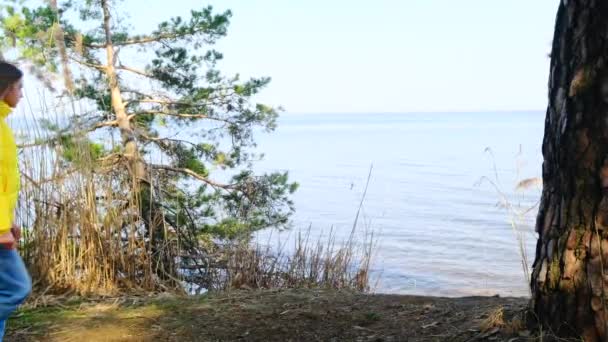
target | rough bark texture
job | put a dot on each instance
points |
(570, 272)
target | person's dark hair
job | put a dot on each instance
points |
(9, 74)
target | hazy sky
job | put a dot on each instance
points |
(384, 55)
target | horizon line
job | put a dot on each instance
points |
(419, 112)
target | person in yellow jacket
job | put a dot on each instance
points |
(15, 282)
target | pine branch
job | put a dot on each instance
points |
(160, 101)
(90, 65)
(135, 71)
(160, 139)
(192, 174)
(225, 96)
(182, 115)
(150, 39)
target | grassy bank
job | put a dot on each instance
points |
(279, 315)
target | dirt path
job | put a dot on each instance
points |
(288, 315)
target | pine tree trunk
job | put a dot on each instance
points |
(143, 194)
(570, 272)
(131, 150)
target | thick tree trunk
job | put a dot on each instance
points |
(570, 272)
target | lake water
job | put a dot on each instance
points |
(438, 232)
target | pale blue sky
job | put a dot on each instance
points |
(384, 55)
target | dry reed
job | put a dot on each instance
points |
(83, 232)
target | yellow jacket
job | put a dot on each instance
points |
(9, 171)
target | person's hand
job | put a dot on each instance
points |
(16, 230)
(7, 240)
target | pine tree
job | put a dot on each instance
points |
(180, 121)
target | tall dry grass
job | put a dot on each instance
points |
(82, 228)
(83, 232)
(319, 264)
(323, 262)
(519, 212)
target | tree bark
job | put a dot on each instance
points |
(570, 272)
(131, 151)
